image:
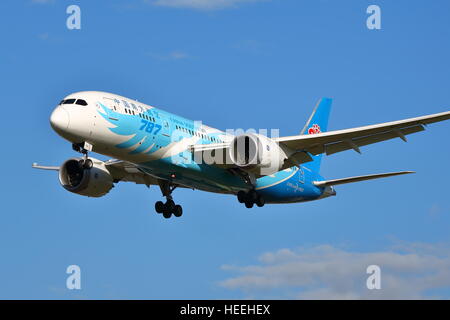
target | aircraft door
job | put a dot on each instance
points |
(165, 133)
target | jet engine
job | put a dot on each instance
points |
(257, 154)
(91, 181)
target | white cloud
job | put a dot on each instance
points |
(200, 4)
(173, 55)
(436, 211)
(42, 1)
(408, 271)
(44, 36)
(177, 55)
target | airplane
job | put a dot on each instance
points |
(151, 146)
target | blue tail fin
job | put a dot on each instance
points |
(317, 123)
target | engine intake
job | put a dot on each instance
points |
(93, 182)
(257, 153)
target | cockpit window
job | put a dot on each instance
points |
(81, 102)
(69, 101)
(62, 101)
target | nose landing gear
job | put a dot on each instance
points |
(85, 162)
(169, 207)
(250, 198)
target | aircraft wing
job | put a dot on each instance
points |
(120, 171)
(129, 172)
(336, 141)
(220, 151)
(37, 166)
(303, 146)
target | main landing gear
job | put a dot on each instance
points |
(169, 207)
(250, 198)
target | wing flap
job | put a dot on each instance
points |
(126, 171)
(364, 141)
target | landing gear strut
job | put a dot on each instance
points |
(250, 198)
(85, 162)
(169, 207)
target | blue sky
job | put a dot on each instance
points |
(237, 64)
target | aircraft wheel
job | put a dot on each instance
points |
(249, 204)
(167, 214)
(252, 196)
(88, 164)
(159, 207)
(260, 201)
(178, 211)
(241, 195)
(169, 205)
(81, 163)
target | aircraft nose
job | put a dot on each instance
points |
(59, 119)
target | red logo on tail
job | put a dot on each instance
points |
(314, 129)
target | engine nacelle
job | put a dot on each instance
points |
(93, 182)
(257, 154)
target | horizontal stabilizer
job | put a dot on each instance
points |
(326, 183)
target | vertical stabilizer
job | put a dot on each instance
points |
(317, 123)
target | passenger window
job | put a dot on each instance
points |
(81, 102)
(69, 101)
